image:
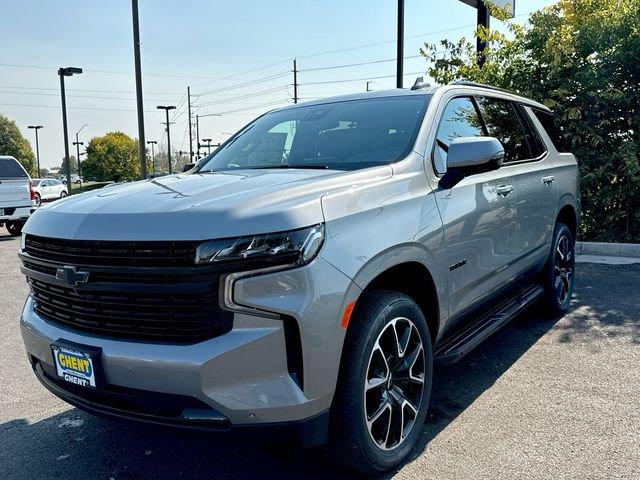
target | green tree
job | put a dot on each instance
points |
(114, 156)
(581, 58)
(14, 144)
(73, 162)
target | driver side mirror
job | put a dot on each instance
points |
(188, 166)
(469, 155)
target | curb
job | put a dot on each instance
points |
(610, 249)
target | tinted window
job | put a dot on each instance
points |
(548, 122)
(460, 119)
(343, 136)
(10, 168)
(55, 182)
(502, 122)
(536, 145)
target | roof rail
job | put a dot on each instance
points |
(469, 83)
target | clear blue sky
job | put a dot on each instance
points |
(201, 43)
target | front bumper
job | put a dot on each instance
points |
(242, 378)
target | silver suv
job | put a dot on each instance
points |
(306, 277)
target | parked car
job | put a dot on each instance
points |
(16, 195)
(305, 279)
(75, 178)
(48, 189)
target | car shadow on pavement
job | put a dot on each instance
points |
(75, 445)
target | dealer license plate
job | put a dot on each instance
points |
(74, 365)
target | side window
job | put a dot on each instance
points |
(550, 126)
(460, 119)
(536, 145)
(502, 122)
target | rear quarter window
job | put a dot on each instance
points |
(10, 168)
(551, 127)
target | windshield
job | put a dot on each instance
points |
(347, 135)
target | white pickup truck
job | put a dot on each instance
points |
(16, 195)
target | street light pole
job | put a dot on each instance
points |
(153, 155)
(36, 128)
(66, 72)
(400, 45)
(198, 137)
(166, 108)
(77, 143)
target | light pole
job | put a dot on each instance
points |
(66, 72)
(208, 141)
(36, 128)
(77, 143)
(166, 108)
(153, 156)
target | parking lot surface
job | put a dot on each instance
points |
(544, 398)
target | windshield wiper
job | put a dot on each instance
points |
(289, 165)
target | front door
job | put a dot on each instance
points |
(479, 216)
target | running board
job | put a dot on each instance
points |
(472, 335)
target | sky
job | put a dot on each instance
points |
(236, 57)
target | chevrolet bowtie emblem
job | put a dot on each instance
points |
(70, 277)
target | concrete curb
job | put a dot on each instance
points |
(609, 249)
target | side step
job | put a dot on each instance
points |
(472, 335)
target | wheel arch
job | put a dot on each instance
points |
(568, 214)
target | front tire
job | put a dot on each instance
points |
(559, 272)
(14, 228)
(384, 385)
(63, 194)
(38, 200)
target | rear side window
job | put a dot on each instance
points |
(10, 168)
(502, 122)
(550, 126)
(460, 119)
(536, 145)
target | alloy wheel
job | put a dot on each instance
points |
(563, 272)
(394, 383)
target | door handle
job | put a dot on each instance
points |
(548, 180)
(504, 190)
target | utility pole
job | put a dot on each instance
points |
(36, 128)
(484, 17)
(153, 154)
(166, 108)
(400, 45)
(198, 136)
(190, 134)
(208, 142)
(66, 72)
(136, 51)
(295, 81)
(77, 143)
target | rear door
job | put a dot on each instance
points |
(529, 164)
(478, 213)
(14, 184)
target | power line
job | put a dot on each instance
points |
(249, 108)
(246, 84)
(327, 82)
(333, 67)
(96, 97)
(247, 95)
(87, 90)
(74, 108)
(242, 73)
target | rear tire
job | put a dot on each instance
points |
(14, 228)
(559, 272)
(38, 200)
(63, 194)
(384, 384)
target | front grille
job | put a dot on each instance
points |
(166, 303)
(112, 253)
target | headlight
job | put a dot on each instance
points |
(295, 247)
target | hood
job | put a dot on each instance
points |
(189, 207)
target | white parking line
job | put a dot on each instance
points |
(607, 259)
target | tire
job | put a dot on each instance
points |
(63, 194)
(38, 200)
(14, 228)
(559, 272)
(360, 438)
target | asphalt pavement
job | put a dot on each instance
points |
(544, 398)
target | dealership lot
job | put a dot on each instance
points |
(543, 398)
